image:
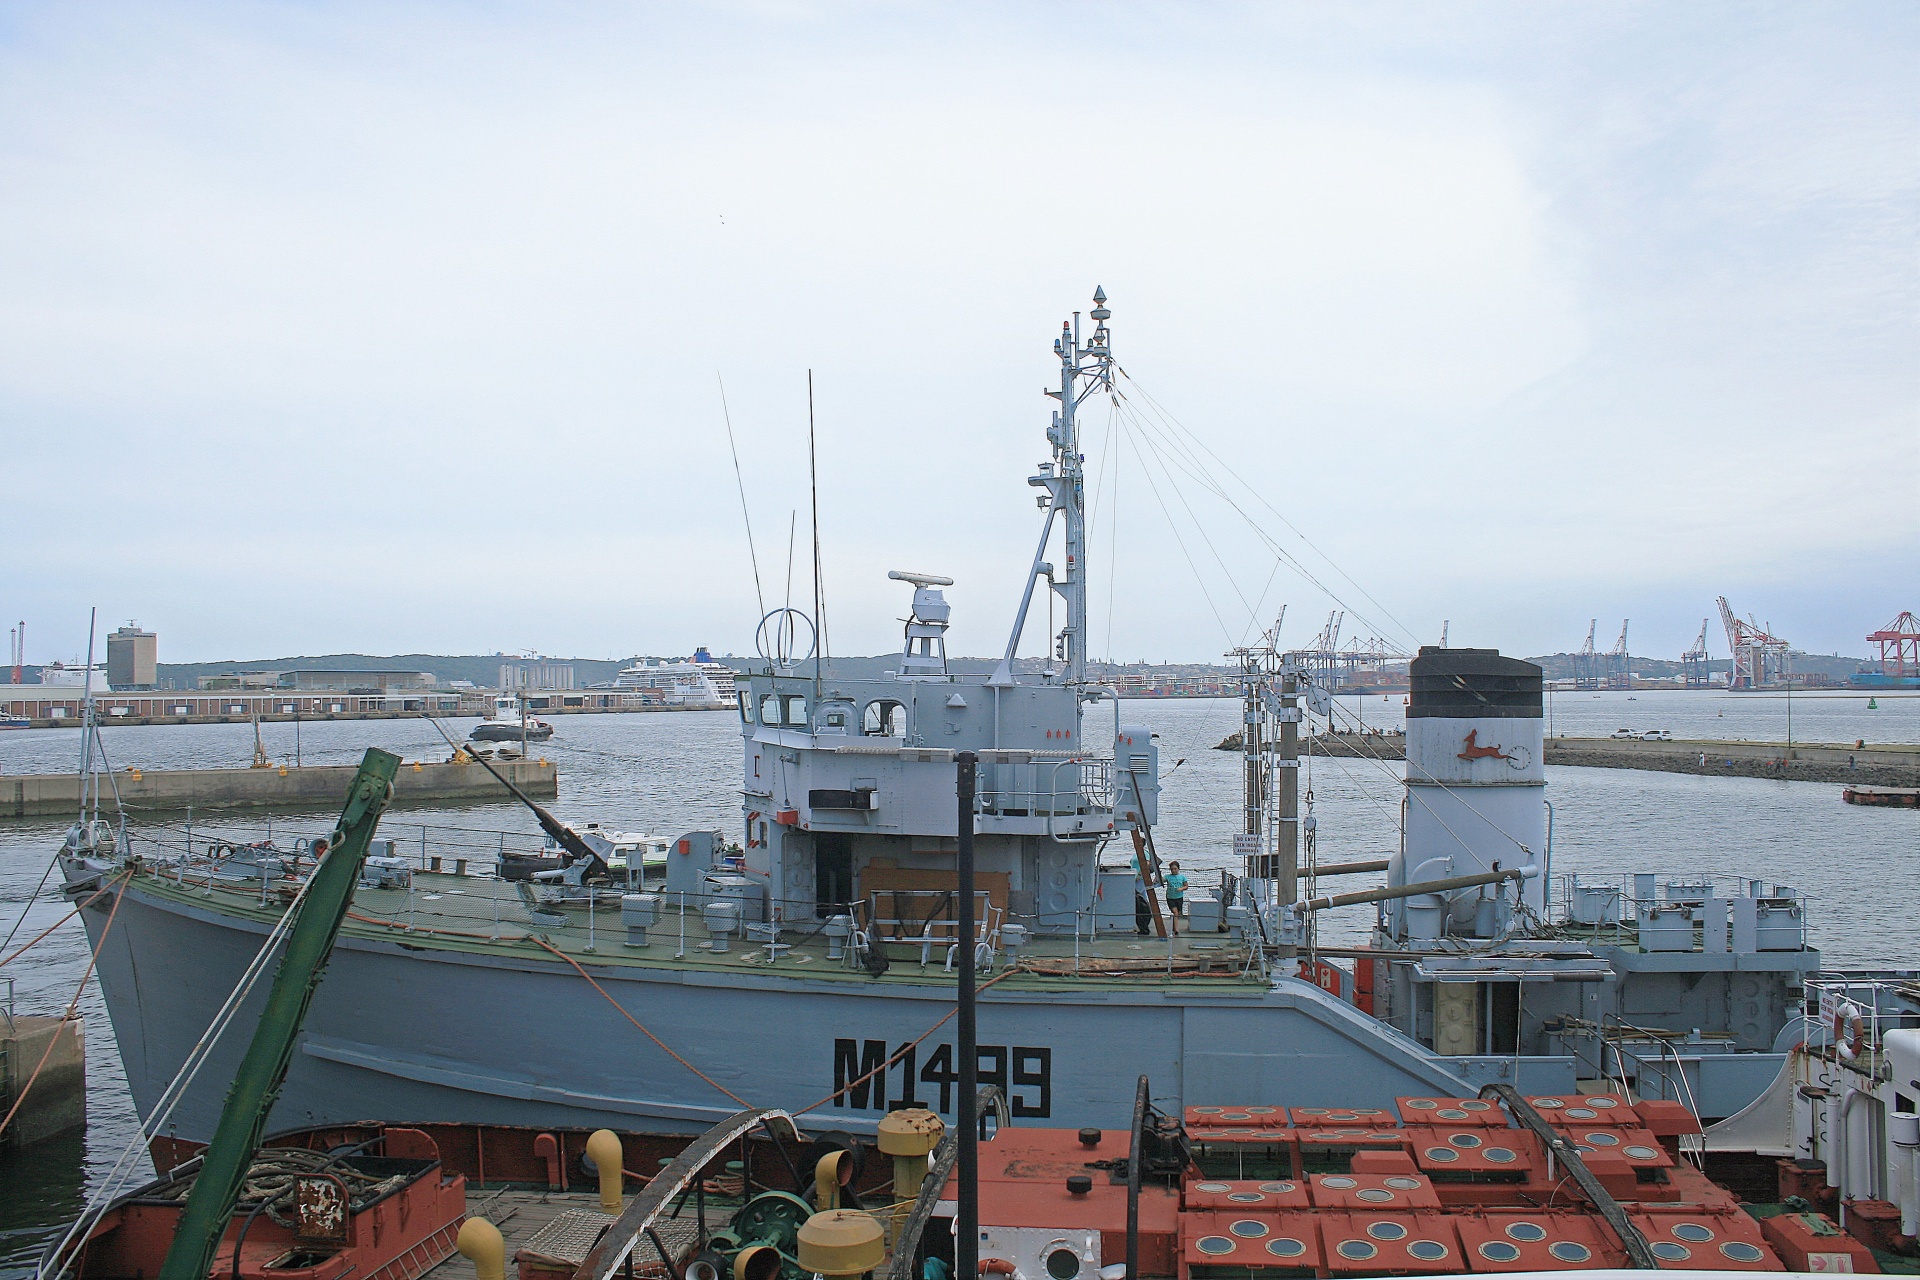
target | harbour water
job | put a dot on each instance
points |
(669, 774)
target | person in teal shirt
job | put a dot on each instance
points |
(1176, 884)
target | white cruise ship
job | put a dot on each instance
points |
(698, 681)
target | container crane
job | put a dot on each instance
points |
(1758, 655)
(1586, 663)
(1899, 643)
(1694, 662)
(1619, 670)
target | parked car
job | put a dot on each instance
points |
(1625, 733)
(1656, 735)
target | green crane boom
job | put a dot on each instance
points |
(255, 1086)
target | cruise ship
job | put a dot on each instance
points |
(698, 681)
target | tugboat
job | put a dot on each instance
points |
(807, 961)
(510, 723)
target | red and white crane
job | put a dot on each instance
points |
(1758, 656)
(1899, 643)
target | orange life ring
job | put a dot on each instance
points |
(1848, 1029)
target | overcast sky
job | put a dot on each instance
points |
(394, 327)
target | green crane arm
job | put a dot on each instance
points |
(244, 1118)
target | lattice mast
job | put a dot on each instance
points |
(1085, 367)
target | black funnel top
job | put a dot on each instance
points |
(1473, 683)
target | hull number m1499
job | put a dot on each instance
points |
(862, 1080)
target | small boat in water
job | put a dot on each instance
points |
(15, 722)
(509, 723)
(1883, 797)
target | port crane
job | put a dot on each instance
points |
(1619, 669)
(1586, 663)
(1694, 661)
(1758, 655)
(1899, 643)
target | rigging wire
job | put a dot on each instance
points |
(1167, 416)
(740, 482)
(1200, 528)
(1182, 542)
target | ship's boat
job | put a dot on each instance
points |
(807, 958)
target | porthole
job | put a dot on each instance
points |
(1246, 1197)
(1547, 1104)
(1342, 1117)
(1427, 1250)
(1386, 1231)
(1640, 1153)
(1421, 1104)
(1215, 1245)
(1499, 1251)
(1691, 1232)
(1465, 1141)
(1605, 1104)
(1451, 1113)
(1526, 1232)
(1248, 1229)
(1338, 1183)
(1403, 1183)
(1286, 1247)
(1235, 1115)
(1367, 1111)
(1063, 1264)
(1213, 1188)
(1741, 1251)
(1581, 1113)
(1668, 1251)
(1500, 1155)
(1356, 1250)
(1373, 1195)
(1441, 1155)
(1278, 1188)
(1600, 1139)
(1309, 1111)
(1260, 1111)
(1476, 1106)
(1569, 1251)
(1206, 1111)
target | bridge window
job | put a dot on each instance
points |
(884, 718)
(746, 706)
(770, 709)
(796, 710)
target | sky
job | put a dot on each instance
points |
(406, 327)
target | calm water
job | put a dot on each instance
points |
(672, 773)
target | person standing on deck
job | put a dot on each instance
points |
(1142, 909)
(1176, 884)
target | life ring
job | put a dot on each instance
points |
(1848, 1029)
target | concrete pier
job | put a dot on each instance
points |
(275, 787)
(1879, 765)
(57, 1102)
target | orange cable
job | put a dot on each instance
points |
(72, 1004)
(50, 928)
(544, 944)
(901, 1052)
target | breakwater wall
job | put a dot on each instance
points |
(275, 787)
(1874, 764)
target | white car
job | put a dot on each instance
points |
(1656, 735)
(1625, 733)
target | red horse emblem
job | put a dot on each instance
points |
(1481, 753)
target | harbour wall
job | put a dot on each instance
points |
(106, 716)
(1875, 764)
(275, 787)
(50, 1055)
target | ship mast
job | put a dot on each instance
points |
(1085, 367)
